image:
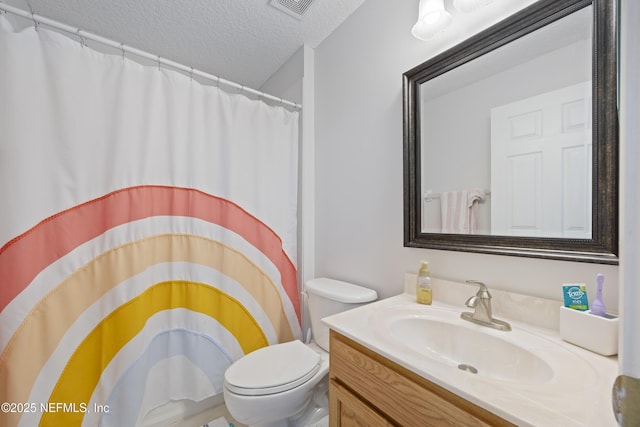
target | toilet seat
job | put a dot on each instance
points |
(273, 369)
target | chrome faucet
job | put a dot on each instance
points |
(481, 303)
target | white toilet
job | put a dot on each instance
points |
(287, 384)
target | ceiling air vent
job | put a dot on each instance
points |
(295, 8)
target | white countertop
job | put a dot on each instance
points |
(578, 395)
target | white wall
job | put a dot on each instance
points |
(359, 222)
(286, 82)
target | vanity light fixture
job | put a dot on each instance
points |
(470, 5)
(432, 19)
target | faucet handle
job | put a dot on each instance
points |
(483, 292)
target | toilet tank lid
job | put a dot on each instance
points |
(340, 291)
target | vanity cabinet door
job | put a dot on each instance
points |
(346, 410)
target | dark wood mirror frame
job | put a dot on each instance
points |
(603, 246)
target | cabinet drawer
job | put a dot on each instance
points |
(403, 396)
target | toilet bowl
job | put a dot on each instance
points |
(287, 376)
(287, 384)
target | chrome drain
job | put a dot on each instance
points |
(468, 368)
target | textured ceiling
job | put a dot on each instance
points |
(244, 41)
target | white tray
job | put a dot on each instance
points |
(596, 333)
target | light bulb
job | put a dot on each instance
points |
(432, 19)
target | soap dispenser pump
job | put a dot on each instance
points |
(423, 284)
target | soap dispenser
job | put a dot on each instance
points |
(423, 284)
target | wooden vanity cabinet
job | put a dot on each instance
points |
(368, 390)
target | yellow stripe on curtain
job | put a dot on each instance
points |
(82, 373)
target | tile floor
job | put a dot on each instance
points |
(224, 422)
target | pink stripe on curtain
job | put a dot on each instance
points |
(22, 258)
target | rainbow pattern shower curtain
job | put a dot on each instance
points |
(147, 233)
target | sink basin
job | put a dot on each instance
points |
(442, 336)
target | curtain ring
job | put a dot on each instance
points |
(83, 41)
(191, 74)
(158, 62)
(36, 24)
(122, 50)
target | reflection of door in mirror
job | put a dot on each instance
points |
(541, 165)
(457, 151)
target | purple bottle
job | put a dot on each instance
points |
(597, 306)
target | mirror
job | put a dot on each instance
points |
(510, 138)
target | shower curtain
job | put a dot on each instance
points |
(147, 233)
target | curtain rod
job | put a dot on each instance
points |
(37, 19)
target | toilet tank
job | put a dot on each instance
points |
(327, 297)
